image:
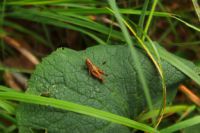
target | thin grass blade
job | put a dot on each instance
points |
(28, 98)
(181, 125)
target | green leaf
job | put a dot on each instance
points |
(63, 75)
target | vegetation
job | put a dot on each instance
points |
(147, 51)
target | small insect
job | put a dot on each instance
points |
(94, 70)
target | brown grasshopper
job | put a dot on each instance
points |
(94, 70)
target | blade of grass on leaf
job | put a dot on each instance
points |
(157, 63)
(181, 125)
(128, 39)
(28, 98)
(179, 64)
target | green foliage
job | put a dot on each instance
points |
(60, 104)
(63, 75)
(36, 22)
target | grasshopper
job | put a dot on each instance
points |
(94, 70)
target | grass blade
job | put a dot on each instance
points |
(25, 30)
(73, 23)
(142, 17)
(179, 64)
(133, 52)
(168, 110)
(2, 45)
(7, 107)
(186, 23)
(97, 11)
(45, 2)
(57, 23)
(28, 98)
(8, 117)
(196, 7)
(183, 124)
(4, 68)
(149, 19)
(157, 64)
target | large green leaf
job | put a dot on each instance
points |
(63, 75)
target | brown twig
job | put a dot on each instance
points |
(10, 81)
(14, 43)
(194, 98)
(108, 21)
